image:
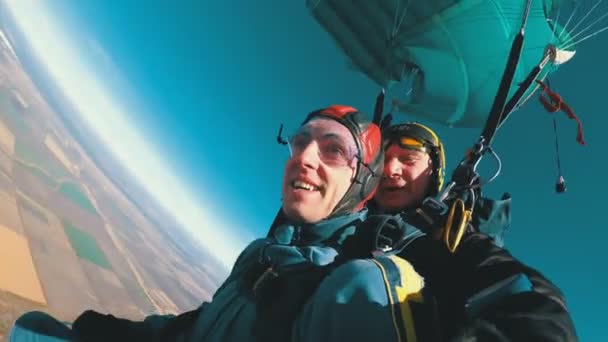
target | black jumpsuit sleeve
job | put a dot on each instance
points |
(518, 303)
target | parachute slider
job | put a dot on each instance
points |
(559, 56)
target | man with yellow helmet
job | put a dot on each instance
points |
(483, 292)
(414, 164)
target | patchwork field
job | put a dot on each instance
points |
(70, 238)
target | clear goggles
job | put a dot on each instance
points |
(333, 148)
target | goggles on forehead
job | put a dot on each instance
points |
(412, 144)
(332, 149)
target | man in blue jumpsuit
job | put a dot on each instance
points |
(308, 280)
(483, 292)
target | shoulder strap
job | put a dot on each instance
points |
(414, 311)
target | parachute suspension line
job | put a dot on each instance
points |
(560, 184)
(585, 38)
(523, 100)
(397, 22)
(585, 17)
(555, 21)
(411, 73)
(393, 30)
(571, 40)
(414, 75)
(568, 22)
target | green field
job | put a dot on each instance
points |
(74, 193)
(85, 245)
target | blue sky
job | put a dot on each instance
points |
(198, 90)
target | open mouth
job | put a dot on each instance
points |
(302, 185)
(392, 185)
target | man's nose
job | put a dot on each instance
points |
(392, 168)
(309, 156)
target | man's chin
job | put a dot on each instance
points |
(301, 213)
(392, 205)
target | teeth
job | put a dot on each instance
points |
(303, 185)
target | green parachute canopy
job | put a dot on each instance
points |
(442, 60)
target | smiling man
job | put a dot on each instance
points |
(483, 292)
(314, 184)
(316, 277)
(413, 167)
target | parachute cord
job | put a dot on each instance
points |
(584, 38)
(568, 22)
(398, 20)
(555, 22)
(582, 20)
(568, 43)
(559, 164)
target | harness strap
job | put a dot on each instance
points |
(414, 312)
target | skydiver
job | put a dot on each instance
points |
(483, 292)
(336, 158)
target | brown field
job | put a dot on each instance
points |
(57, 151)
(17, 272)
(6, 184)
(40, 268)
(9, 214)
(6, 163)
(65, 284)
(7, 139)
